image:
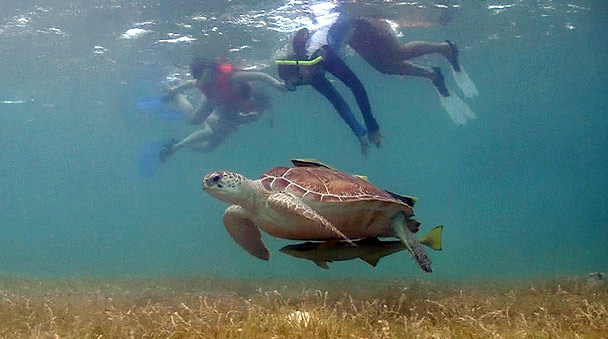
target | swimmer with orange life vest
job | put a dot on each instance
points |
(228, 101)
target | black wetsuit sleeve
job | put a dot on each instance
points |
(323, 86)
(334, 65)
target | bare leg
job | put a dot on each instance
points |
(197, 137)
(194, 116)
(415, 49)
(216, 129)
(205, 146)
(184, 106)
(374, 40)
(407, 68)
(449, 50)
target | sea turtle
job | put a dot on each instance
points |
(312, 201)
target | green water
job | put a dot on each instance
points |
(521, 190)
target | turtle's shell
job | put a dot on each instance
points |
(353, 205)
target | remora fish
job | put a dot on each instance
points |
(369, 250)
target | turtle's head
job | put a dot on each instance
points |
(226, 186)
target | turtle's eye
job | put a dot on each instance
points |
(216, 178)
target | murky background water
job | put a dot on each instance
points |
(521, 190)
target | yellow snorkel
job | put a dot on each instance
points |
(287, 62)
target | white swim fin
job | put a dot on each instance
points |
(465, 83)
(457, 109)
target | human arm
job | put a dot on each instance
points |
(242, 76)
(186, 85)
(172, 92)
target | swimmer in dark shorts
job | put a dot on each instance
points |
(374, 40)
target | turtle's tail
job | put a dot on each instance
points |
(421, 258)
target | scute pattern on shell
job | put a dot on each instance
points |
(323, 184)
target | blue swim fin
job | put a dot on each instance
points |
(148, 162)
(148, 104)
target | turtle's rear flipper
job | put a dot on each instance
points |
(398, 223)
(421, 258)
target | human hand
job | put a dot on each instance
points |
(288, 87)
(284, 87)
(171, 92)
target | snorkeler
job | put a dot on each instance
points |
(312, 57)
(374, 40)
(228, 100)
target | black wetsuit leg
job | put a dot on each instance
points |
(323, 86)
(334, 65)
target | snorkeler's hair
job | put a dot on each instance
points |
(299, 53)
(198, 66)
(299, 43)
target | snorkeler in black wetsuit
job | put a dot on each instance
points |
(309, 67)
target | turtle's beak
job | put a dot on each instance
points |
(212, 180)
(206, 182)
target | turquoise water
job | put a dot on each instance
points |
(521, 190)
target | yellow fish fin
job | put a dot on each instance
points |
(433, 238)
(363, 177)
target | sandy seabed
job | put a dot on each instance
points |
(216, 307)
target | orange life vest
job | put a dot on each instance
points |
(221, 89)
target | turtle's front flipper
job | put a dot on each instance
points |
(399, 224)
(288, 204)
(244, 232)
